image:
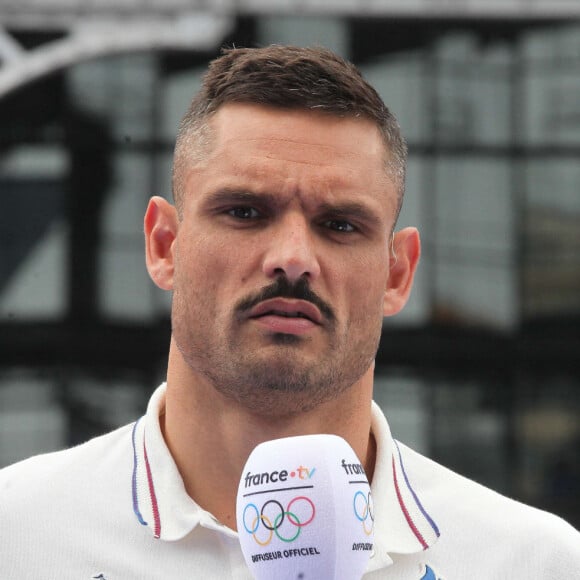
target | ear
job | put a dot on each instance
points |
(161, 226)
(405, 252)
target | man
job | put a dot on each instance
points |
(282, 259)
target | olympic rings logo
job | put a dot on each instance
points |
(274, 519)
(364, 511)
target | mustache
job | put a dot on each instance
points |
(282, 288)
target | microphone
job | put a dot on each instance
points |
(304, 510)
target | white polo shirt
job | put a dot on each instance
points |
(115, 508)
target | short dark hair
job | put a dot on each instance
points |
(286, 77)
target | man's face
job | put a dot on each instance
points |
(282, 256)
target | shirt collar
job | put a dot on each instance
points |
(402, 524)
(160, 501)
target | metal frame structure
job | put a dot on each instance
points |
(97, 29)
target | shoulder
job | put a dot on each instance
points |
(481, 523)
(55, 472)
(61, 503)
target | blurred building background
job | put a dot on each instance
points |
(482, 370)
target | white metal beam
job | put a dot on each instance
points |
(98, 37)
(10, 50)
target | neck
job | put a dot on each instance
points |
(211, 434)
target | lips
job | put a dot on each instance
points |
(287, 308)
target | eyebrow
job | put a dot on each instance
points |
(349, 209)
(229, 195)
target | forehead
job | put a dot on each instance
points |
(329, 137)
(297, 150)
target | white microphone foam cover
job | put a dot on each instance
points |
(304, 510)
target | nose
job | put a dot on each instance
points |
(291, 251)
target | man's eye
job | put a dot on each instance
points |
(342, 226)
(244, 213)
